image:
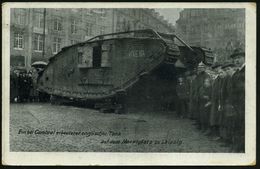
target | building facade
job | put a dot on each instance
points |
(125, 19)
(222, 30)
(37, 34)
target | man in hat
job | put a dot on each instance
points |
(238, 101)
(199, 82)
(226, 107)
(214, 117)
(238, 57)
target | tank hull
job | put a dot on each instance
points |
(71, 72)
(104, 71)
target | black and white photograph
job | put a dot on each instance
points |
(129, 79)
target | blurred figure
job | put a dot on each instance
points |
(16, 86)
(226, 103)
(190, 83)
(182, 100)
(214, 118)
(205, 103)
(192, 96)
(30, 86)
(34, 94)
(20, 87)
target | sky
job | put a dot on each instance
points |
(170, 14)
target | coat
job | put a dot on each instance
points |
(214, 118)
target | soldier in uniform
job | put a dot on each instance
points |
(199, 82)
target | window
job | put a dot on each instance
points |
(18, 41)
(57, 24)
(38, 22)
(192, 13)
(96, 56)
(88, 12)
(38, 42)
(74, 26)
(102, 30)
(75, 10)
(88, 29)
(20, 16)
(103, 12)
(134, 12)
(80, 57)
(106, 49)
(72, 42)
(56, 44)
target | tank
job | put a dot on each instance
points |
(125, 68)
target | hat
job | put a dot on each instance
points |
(227, 65)
(238, 52)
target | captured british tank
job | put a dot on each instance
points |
(119, 70)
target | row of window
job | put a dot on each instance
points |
(38, 21)
(214, 12)
(38, 42)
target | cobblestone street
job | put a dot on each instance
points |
(67, 128)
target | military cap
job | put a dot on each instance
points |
(237, 52)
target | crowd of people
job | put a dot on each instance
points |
(23, 85)
(214, 96)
